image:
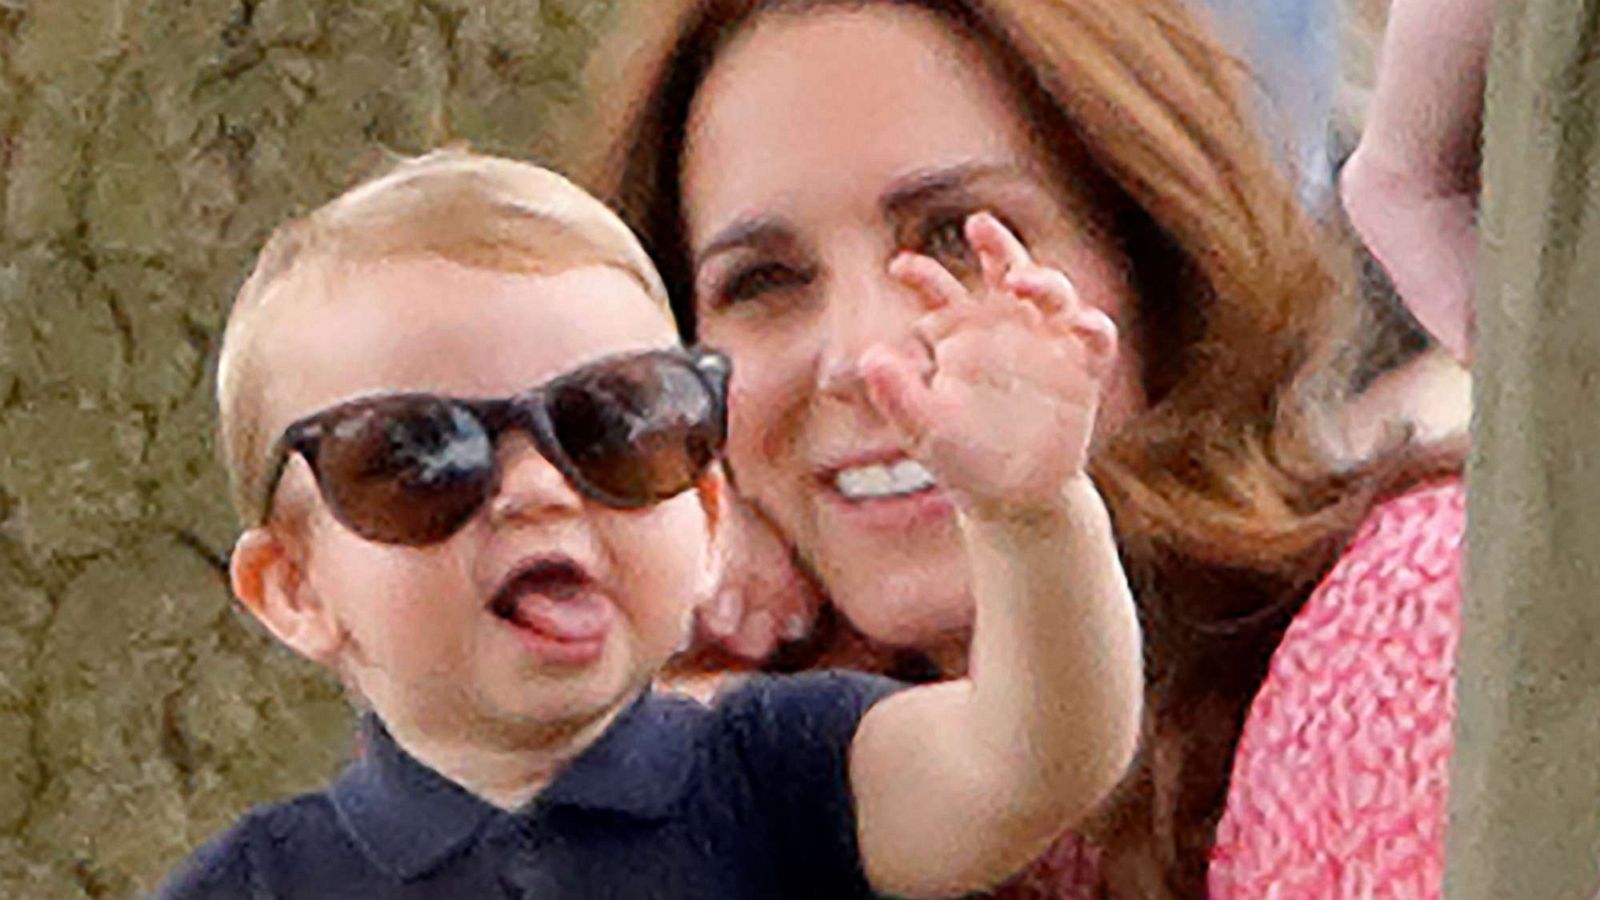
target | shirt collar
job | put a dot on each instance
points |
(640, 766)
(407, 818)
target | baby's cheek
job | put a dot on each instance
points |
(662, 561)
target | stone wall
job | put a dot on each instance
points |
(146, 148)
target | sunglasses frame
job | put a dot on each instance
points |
(528, 410)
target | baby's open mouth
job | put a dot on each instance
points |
(555, 597)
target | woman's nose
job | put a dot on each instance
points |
(861, 313)
(531, 487)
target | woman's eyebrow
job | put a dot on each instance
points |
(918, 188)
(754, 231)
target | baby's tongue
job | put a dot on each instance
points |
(577, 613)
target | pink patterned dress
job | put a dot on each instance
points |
(1339, 783)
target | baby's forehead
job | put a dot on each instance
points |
(426, 324)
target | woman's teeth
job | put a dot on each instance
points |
(877, 481)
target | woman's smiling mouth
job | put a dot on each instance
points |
(877, 481)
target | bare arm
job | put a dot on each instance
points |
(1410, 187)
(959, 785)
(962, 784)
(1429, 96)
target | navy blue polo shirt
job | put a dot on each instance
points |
(749, 797)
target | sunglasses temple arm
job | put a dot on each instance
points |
(217, 560)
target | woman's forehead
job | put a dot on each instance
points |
(848, 98)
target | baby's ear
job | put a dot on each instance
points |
(269, 579)
(715, 500)
(713, 489)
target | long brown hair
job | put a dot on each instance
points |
(1225, 517)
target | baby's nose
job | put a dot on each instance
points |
(530, 485)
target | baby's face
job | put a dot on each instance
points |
(458, 641)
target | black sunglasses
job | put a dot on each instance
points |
(626, 432)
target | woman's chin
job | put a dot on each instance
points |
(924, 616)
(907, 591)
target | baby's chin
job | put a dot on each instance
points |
(538, 708)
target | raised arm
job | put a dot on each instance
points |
(1410, 187)
(959, 785)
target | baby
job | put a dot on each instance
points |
(479, 484)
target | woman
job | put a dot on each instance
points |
(776, 155)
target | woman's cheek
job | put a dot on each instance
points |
(757, 436)
(767, 403)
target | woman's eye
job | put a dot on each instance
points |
(945, 240)
(756, 281)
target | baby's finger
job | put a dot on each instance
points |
(1049, 289)
(897, 388)
(998, 250)
(935, 327)
(757, 636)
(1099, 335)
(721, 617)
(937, 287)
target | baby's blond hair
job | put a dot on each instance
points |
(470, 209)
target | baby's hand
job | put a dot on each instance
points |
(764, 599)
(997, 391)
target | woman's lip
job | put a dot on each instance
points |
(830, 471)
(897, 513)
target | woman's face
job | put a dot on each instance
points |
(819, 146)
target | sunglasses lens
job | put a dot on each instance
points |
(406, 470)
(639, 430)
